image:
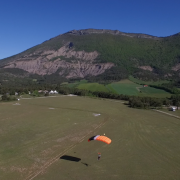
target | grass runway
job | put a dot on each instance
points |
(37, 133)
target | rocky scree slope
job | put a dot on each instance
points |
(68, 62)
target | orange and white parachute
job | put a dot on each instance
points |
(100, 138)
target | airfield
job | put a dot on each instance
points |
(47, 138)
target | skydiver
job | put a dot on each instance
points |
(99, 156)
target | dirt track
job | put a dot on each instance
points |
(166, 113)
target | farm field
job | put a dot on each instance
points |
(75, 84)
(153, 92)
(130, 88)
(126, 87)
(93, 87)
(46, 138)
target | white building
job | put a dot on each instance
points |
(53, 92)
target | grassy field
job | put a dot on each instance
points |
(93, 87)
(126, 87)
(176, 112)
(153, 92)
(130, 88)
(38, 132)
(75, 84)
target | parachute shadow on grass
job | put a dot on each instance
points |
(70, 158)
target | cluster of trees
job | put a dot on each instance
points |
(175, 99)
(147, 102)
(110, 75)
(6, 97)
(127, 52)
(169, 87)
(148, 75)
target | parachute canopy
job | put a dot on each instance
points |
(100, 138)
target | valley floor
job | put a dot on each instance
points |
(37, 133)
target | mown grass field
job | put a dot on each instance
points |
(38, 132)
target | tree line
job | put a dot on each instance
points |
(132, 101)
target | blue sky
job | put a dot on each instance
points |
(26, 23)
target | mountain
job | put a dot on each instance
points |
(99, 53)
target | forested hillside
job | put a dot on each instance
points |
(143, 56)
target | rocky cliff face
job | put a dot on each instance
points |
(65, 61)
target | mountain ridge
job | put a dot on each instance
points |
(113, 32)
(67, 54)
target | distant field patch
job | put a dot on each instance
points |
(130, 88)
(72, 85)
(75, 84)
(111, 89)
(131, 78)
(93, 87)
(157, 95)
(150, 90)
(125, 87)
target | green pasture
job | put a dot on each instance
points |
(130, 88)
(111, 89)
(37, 133)
(145, 91)
(127, 87)
(93, 87)
(75, 84)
